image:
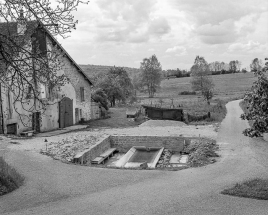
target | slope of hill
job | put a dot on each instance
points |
(227, 87)
(92, 70)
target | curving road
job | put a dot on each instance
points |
(55, 188)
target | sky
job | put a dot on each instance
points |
(124, 32)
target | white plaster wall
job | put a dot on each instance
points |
(50, 117)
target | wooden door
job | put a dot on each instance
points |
(12, 128)
(66, 112)
(36, 121)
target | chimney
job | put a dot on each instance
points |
(21, 24)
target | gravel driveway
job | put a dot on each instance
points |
(53, 187)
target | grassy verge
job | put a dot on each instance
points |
(254, 188)
(10, 179)
(201, 152)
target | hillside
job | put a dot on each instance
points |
(91, 70)
(227, 87)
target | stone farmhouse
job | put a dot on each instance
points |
(70, 104)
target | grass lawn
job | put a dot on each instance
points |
(118, 119)
(254, 188)
(227, 88)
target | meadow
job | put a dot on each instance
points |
(228, 87)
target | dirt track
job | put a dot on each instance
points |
(56, 188)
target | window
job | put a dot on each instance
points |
(82, 94)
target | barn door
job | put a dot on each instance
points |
(66, 112)
(36, 122)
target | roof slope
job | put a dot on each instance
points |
(9, 29)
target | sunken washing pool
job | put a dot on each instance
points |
(140, 155)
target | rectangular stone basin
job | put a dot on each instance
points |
(138, 155)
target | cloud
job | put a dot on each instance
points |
(217, 30)
(158, 27)
(177, 49)
(139, 34)
(216, 11)
(220, 22)
(249, 47)
(224, 32)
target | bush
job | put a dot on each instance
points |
(195, 118)
(202, 153)
(188, 93)
(9, 178)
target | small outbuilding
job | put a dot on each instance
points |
(163, 113)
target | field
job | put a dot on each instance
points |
(227, 87)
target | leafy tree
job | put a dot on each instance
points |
(257, 104)
(100, 96)
(256, 65)
(150, 75)
(116, 84)
(201, 78)
(25, 67)
(234, 66)
(136, 81)
(244, 70)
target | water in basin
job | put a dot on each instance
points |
(144, 155)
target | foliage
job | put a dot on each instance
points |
(177, 73)
(234, 66)
(188, 93)
(150, 77)
(201, 81)
(254, 188)
(100, 96)
(257, 104)
(217, 67)
(26, 68)
(9, 178)
(256, 65)
(244, 70)
(201, 152)
(116, 84)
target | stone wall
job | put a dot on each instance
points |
(93, 152)
(124, 143)
(50, 117)
(78, 80)
(95, 110)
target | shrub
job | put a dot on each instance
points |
(188, 93)
(202, 153)
(10, 179)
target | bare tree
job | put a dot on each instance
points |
(28, 67)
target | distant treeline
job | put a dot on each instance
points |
(214, 68)
(176, 73)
